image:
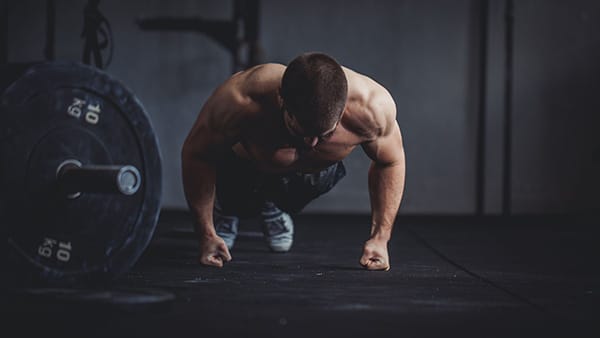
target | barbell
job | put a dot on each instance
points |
(80, 174)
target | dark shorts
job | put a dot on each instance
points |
(242, 190)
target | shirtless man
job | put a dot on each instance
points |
(271, 139)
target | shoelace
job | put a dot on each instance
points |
(276, 226)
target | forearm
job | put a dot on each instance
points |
(386, 186)
(199, 178)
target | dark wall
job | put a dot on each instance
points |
(557, 106)
(429, 56)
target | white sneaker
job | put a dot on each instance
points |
(225, 226)
(278, 228)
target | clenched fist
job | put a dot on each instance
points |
(213, 251)
(375, 255)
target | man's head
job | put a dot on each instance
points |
(314, 91)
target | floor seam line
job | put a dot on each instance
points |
(482, 279)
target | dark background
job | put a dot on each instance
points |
(444, 62)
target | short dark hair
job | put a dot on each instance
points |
(314, 90)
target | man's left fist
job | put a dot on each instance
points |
(375, 255)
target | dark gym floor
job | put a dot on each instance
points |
(455, 277)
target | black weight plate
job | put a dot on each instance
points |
(68, 111)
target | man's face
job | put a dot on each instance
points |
(297, 132)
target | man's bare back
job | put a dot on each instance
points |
(247, 114)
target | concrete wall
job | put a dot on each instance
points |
(426, 53)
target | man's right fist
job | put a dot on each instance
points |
(213, 251)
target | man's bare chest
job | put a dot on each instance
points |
(280, 157)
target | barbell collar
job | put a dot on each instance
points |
(74, 178)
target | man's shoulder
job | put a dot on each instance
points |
(263, 79)
(267, 69)
(370, 104)
(247, 89)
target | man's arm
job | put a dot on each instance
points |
(386, 182)
(216, 129)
